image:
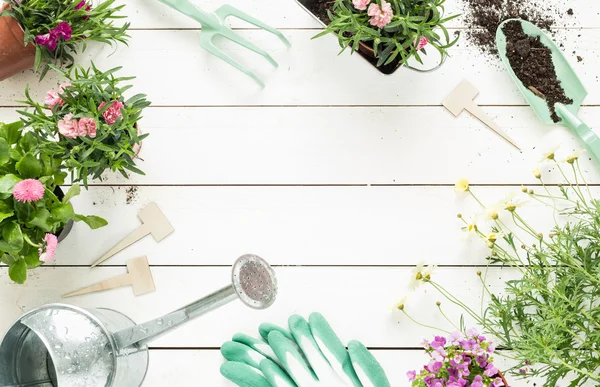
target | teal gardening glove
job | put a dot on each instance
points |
(309, 354)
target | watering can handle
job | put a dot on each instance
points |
(585, 134)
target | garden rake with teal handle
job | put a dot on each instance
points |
(214, 24)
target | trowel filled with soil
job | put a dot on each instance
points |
(545, 78)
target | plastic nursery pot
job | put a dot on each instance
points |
(368, 53)
(62, 233)
(14, 55)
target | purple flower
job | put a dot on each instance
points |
(490, 370)
(497, 383)
(87, 8)
(477, 381)
(472, 332)
(64, 30)
(411, 375)
(523, 371)
(456, 338)
(439, 341)
(48, 40)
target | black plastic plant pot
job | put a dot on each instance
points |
(64, 232)
(318, 10)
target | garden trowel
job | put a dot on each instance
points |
(569, 81)
(153, 222)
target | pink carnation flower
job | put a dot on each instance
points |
(52, 99)
(63, 30)
(361, 4)
(112, 113)
(380, 17)
(48, 40)
(68, 126)
(87, 127)
(28, 190)
(48, 247)
(421, 43)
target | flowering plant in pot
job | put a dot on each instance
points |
(390, 31)
(37, 33)
(33, 210)
(459, 361)
(88, 123)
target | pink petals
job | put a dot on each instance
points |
(421, 43)
(68, 126)
(50, 40)
(380, 17)
(361, 4)
(52, 99)
(113, 113)
(87, 126)
(48, 247)
(28, 190)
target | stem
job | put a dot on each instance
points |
(583, 178)
(424, 325)
(447, 319)
(29, 242)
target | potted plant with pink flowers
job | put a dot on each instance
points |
(35, 214)
(89, 123)
(461, 360)
(36, 33)
(387, 33)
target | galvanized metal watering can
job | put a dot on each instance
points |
(61, 345)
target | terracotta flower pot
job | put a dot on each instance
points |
(503, 379)
(14, 55)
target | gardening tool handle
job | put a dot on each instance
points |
(189, 9)
(585, 134)
(142, 333)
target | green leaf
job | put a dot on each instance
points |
(71, 193)
(91, 220)
(38, 57)
(4, 151)
(17, 271)
(62, 212)
(12, 238)
(40, 220)
(7, 182)
(23, 211)
(28, 142)
(29, 166)
(11, 132)
(32, 258)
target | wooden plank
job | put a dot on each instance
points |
(145, 14)
(357, 301)
(342, 145)
(200, 368)
(290, 225)
(310, 73)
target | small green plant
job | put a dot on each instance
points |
(58, 28)
(31, 212)
(88, 123)
(396, 30)
(548, 318)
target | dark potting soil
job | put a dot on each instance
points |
(484, 16)
(532, 63)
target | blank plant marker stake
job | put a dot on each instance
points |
(461, 99)
(153, 222)
(138, 276)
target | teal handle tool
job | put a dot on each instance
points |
(214, 24)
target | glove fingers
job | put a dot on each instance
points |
(291, 359)
(275, 375)
(243, 375)
(367, 368)
(241, 353)
(266, 328)
(257, 345)
(333, 349)
(304, 338)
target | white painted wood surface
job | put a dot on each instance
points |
(343, 190)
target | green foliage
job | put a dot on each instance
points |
(39, 17)
(23, 225)
(113, 147)
(412, 19)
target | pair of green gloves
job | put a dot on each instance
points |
(309, 354)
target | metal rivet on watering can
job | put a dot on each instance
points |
(61, 345)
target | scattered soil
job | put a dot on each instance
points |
(570, 12)
(532, 63)
(131, 194)
(484, 16)
(319, 8)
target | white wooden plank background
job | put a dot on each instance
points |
(343, 190)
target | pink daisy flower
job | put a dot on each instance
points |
(28, 190)
(48, 247)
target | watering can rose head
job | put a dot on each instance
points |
(33, 210)
(393, 30)
(88, 122)
(58, 29)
